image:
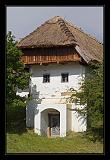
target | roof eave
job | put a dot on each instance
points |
(46, 46)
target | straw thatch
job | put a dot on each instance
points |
(58, 32)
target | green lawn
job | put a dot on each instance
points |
(30, 142)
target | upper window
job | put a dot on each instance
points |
(64, 77)
(46, 78)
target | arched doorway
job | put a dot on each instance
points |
(50, 122)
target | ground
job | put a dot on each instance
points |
(30, 142)
(23, 140)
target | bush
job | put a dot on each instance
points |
(16, 118)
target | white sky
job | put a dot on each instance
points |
(23, 20)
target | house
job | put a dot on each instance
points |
(57, 54)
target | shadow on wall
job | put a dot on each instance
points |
(32, 106)
(31, 110)
(44, 122)
(35, 94)
(82, 119)
(82, 122)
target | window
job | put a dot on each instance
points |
(64, 77)
(46, 78)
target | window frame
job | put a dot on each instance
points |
(48, 78)
(62, 81)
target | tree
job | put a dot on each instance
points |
(91, 95)
(16, 76)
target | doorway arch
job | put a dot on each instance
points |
(61, 108)
(50, 122)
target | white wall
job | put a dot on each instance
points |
(69, 120)
(78, 121)
(52, 90)
(59, 107)
(69, 117)
(55, 87)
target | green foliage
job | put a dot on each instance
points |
(16, 117)
(91, 95)
(94, 134)
(16, 76)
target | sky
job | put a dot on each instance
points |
(23, 20)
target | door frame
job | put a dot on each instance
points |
(49, 121)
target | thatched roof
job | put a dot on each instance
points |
(58, 32)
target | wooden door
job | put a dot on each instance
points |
(55, 125)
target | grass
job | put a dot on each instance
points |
(32, 143)
(22, 140)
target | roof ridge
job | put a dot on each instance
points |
(80, 29)
(66, 30)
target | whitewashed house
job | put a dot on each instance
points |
(57, 54)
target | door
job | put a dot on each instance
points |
(55, 125)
